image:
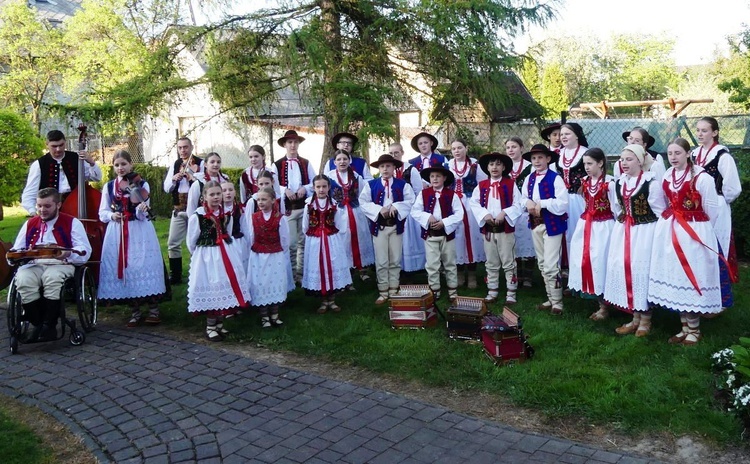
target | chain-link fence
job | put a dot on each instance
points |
(104, 148)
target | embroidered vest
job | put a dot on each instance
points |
(556, 225)
(209, 234)
(446, 208)
(195, 165)
(267, 238)
(349, 196)
(282, 167)
(377, 192)
(50, 175)
(712, 168)
(506, 199)
(237, 211)
(123, 203)
(436, 159)
(321, 221)
(575, 175)
(358, 164)
(598, 208)
(247, 184)
(522, 176)
(468, 182)
(686, 202)
(62, 231)
(638, 209)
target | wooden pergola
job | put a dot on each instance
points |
(675, 106)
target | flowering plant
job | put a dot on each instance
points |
(732, 368)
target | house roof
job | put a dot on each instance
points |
(53, 11)
(519, 104)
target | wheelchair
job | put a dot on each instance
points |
(79, 289)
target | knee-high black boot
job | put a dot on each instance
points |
(34, 313)
(175, 271)
(51, 314)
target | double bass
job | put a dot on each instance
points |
(83, 203)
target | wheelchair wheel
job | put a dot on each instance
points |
(16, 326)
(86, 299)
(77, 338)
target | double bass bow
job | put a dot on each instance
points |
(83, 203)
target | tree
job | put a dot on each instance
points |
(19, 146)
(736, 69)
(356, 60)
(624, 67)
(554, 91)
(31, 57)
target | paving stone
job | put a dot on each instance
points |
(606, 456)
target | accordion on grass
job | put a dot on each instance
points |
(413, 308)
(464, 318)
(503, 339)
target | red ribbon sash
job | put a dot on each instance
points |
(587, 273)
(122, 256)
(220, 237)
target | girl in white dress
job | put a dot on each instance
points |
(345, 187)
(590, 243)
(469, 246)
(217, 282)
(269, 267)
(212, 171)
(525, 254)
(570, 167)
(326, 269)
(639, 202)
(132, 268)
(237, 230)
(249, 179)
(684, 268)
(719, 164)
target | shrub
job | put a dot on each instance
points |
(19, 147)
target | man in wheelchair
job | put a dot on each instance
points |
(40, 281)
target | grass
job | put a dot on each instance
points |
(18, 443)
(582, 370)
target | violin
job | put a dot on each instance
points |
(40, 252)
(132, 184)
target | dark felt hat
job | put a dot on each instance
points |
(335, 139)
(578, 131)
(432, 138)
(449, 177)
(550, 129)
(541, 148)
(387, 159)
(649, 143)
(290, 135)
(484, 162)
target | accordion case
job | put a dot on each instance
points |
(464, 318)
(503, 339)
(413, 308)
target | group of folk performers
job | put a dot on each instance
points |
(640, 240)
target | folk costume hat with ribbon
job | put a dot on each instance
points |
(415, 139)
(290, 135)
(541, 148)
(335, 140)
(649, 142)
(387, 159)
(640, 153)
(449, 177)
(484, 162)
(578, 131)
(549, 130)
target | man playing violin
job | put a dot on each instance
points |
(39, 281)
(57, 169)
(177, 183)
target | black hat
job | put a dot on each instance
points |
(335, 139)
(578, 131)
(541, 148)
(432, 138)
(449, 177)
(387, 159)
(484, 162)
(550, 129)
(290, 135)
(649, 143)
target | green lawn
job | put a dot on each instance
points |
(582, 369)
(19, 444)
